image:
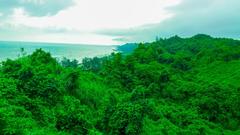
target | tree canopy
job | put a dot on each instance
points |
(172, 86)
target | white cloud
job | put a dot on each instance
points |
(218, 18)
(102, 14)
(38, 2)
(93, 15)
(35, 7)
(109, 21)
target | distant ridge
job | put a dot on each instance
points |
(127, 48)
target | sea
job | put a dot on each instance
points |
(12, 50)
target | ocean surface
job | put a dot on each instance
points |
(12, 50)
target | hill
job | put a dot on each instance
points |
(127, 48)
(170, 86)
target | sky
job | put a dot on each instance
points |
(112, 22)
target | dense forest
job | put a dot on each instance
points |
(174, 86)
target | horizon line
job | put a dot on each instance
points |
(59, 43)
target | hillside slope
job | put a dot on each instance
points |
(171, 86)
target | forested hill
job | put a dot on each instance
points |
(127, 48)
(175, 86)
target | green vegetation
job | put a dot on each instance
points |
(172, 86)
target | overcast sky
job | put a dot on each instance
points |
(116, 21)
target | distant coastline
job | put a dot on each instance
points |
(11, 49)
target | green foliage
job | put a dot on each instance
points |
(172, 86)
(69, 63)
(92, 64)
(72, 82)
(124, 118)
(72, 117)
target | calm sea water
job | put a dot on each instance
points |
(72, 51)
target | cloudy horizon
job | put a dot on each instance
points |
(115, 22)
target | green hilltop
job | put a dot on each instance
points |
(174, 86)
